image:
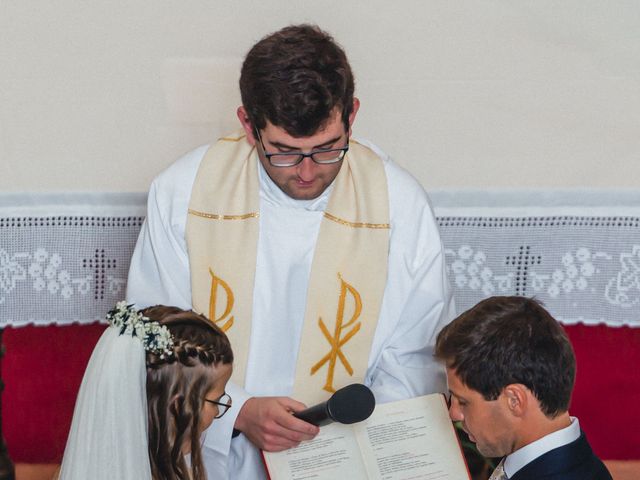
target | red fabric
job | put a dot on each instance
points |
(43, 368)
(607, 392)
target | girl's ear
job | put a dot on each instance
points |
(175, 406)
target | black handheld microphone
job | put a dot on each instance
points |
(351, 404)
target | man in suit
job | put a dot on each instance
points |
(510, 370)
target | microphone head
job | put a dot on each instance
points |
(351, 404)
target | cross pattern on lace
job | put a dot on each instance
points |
(100, 264)
(522, 261)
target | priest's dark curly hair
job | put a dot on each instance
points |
(296, 78)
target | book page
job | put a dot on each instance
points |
(411, 439)
(332, 455)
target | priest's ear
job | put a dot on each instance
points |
(354, 112)
(243, 116)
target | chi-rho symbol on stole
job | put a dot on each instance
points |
(343, 331)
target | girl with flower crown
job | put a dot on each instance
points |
(155, 382)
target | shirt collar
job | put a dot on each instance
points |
(271, 193)
(530, 452)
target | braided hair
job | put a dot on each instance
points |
(176, 387)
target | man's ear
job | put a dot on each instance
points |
(517, 398)
(243, 116)
(354, 112)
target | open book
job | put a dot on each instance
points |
(408, 439)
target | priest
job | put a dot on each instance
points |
(316, 254)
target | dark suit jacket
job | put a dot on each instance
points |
(574, 461)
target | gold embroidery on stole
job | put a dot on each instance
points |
(341, 221)
(337, 341)
(215, 282)
(215, 216)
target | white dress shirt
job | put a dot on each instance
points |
(528, 453)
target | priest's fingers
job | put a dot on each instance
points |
(267, 422)
(304, 430)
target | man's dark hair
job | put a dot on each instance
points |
(295, 78)
(505, 340)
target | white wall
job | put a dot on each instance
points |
(103, 95)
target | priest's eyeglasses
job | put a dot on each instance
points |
(223, 403)
(325, 156)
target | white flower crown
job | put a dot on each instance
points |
(155, 338)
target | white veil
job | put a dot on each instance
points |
(108, 436)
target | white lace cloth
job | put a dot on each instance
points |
(578, 252)
(64, 257)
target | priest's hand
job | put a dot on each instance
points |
(269, 424)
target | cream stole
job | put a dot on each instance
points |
(348, 272)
